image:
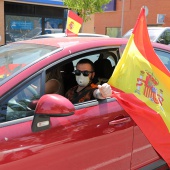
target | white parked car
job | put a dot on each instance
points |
(156, 34)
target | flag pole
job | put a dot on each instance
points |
(122, 20)
(66, 24)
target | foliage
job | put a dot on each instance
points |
(86, 7)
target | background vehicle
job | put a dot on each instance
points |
(156, 34)
(38, 31)
(56, 134)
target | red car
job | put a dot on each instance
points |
(46, 131)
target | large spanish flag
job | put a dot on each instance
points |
(141, 85)
(74, 23)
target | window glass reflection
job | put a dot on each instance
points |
(53, 25)
(22, 103)
(21, 27)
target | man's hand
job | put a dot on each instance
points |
(103, 91)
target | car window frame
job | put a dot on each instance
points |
(16, 89)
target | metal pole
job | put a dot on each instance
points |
(122, 20)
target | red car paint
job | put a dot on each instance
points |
(92, 135)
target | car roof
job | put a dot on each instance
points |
(161, 46)
(154, 33)
(64, 42)
(156, 28)
(64, 35)
(85, 42)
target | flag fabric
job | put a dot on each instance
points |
(74, 23)
(141, 84)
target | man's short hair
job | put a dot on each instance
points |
(86, 61)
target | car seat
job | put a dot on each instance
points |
(103, 70)
(69, 79)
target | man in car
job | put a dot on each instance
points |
(86, 90)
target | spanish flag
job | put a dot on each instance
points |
(7, 70)
(74, 23)
(141, 84)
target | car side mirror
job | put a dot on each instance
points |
(50, 105)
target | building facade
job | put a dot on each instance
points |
(122, 17)
(24, 19)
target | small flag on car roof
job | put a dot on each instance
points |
(141, 84)
(74, 23)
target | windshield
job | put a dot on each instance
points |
(15, 56)
(153, 34)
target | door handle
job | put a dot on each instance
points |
(123, 120)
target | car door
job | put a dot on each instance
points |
(99, 134)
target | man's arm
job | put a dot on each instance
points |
(52, 86)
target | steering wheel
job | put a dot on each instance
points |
(19, 109)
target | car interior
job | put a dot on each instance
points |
(104, 64)
(104, 67)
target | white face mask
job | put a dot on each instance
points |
(82, 80)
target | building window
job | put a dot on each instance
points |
(25, 21)
(113, 32)
(22, 27)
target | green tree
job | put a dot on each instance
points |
(86, 7)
